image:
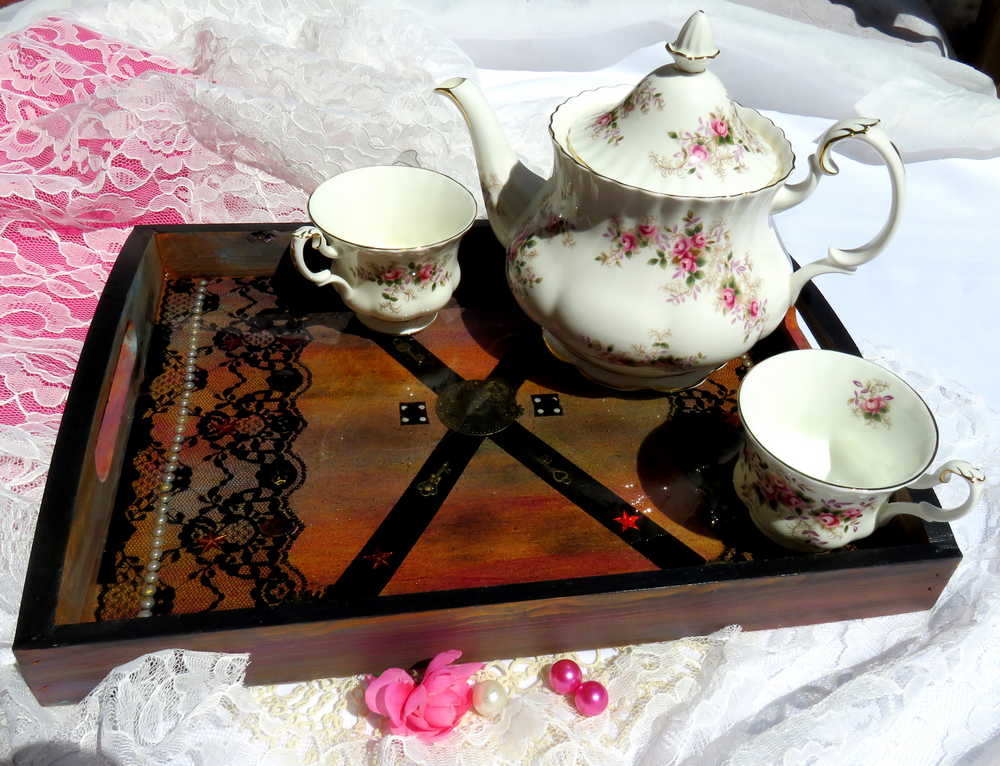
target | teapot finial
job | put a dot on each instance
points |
(694, 45)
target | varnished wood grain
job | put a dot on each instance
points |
(442, 595)
(490, 631)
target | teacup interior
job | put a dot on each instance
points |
(392, 207)
(838, 418)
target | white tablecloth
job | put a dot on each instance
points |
(288, 96)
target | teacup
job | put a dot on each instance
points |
(829, 437)
(391, 233)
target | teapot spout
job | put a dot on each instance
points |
(508, 185)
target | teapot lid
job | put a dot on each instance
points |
(678, 132)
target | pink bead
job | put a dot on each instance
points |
(591, 698)
(565, 676)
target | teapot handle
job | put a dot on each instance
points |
(821, 163)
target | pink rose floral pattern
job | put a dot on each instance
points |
(871, 402)
(403, 283)
(818, 521)
(523, 250)
(700, 261)
(655, 354)
(608, 125)
(719, 144)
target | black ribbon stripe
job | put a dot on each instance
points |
(377, 562)
(413, 356)
(382, 555)
(603, 505)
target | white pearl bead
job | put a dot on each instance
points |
(145, 612)
(151, 577)
(489, 698)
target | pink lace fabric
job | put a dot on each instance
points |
(70, 191)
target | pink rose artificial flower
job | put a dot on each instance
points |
(426, 272)
(429, 709)
(688, 263)
(873, 404)
(852, 513)
(628, 242)
(391, 275)
(729, 297)
(647, 230)
(720, 128)
(754, 309)
(604, 119)
(699, 153)
(682, 246)
(698, 240)
(827, 519)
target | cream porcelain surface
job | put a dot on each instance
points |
(636, 286)
(829, 437)
(391, 234)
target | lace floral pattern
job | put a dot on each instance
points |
(858, 692)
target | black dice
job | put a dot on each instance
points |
(546, 405)
(413, 413)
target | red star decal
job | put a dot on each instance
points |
(378, 559)
(208, 542)
(628, 520)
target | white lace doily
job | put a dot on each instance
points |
(274, 99)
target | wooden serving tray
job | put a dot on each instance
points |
(340, 506)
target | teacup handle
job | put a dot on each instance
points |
(975, 477)
(315, 237)
(821, 163)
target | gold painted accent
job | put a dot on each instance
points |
(672, 50)
(446, 91)
(576, 154)
(558, 475)
(429, 487)
(845, 132)
(405, 347)
(975, 478)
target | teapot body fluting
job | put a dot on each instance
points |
(649, 257)
(643, 290)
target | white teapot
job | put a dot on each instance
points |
(648, 257)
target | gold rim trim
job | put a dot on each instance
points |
(563, 150)
(847, 132)
(670, 47)
(411, 248)
(766, 451)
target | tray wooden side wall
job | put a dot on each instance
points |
(61, 658)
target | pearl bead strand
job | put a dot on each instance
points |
(151, 574)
